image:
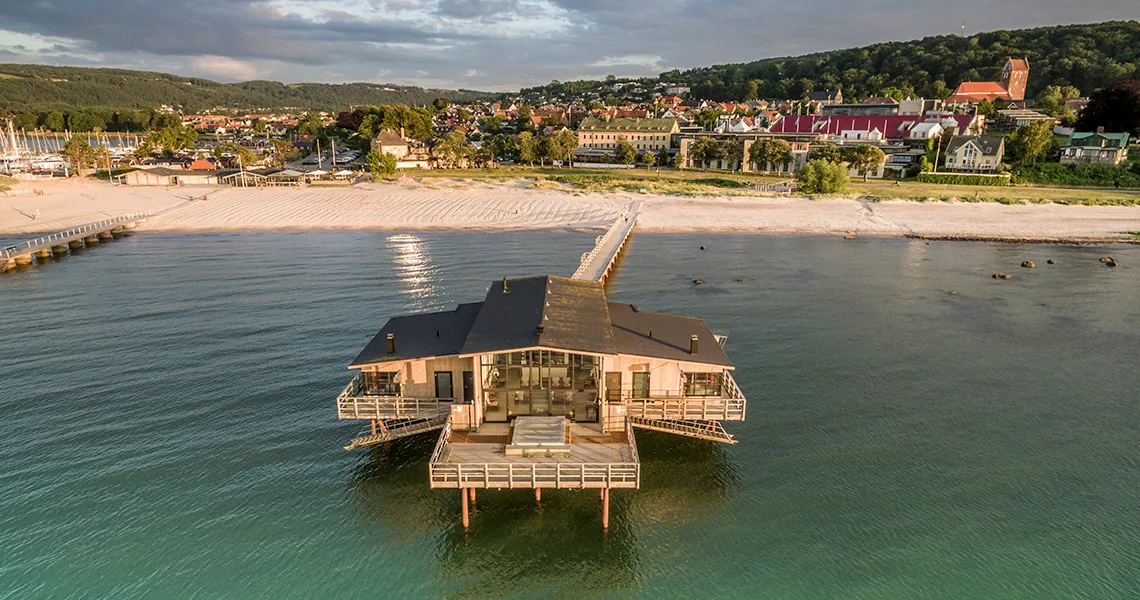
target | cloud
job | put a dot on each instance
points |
(652, 61)
(224, 68)
(488, 44)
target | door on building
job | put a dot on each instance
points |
(443, 387)
(613, 386)
(468, 387)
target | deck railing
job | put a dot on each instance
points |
(728, 406)
(564, 475)
(63, 236)
(352, 404)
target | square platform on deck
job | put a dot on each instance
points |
(539, 436)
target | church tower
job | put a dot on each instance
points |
(1014, 76)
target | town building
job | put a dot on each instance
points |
(387, 141)
(978, 153)
(1011, 88)
(1012, 120)
(1095, 148)
(644, 134)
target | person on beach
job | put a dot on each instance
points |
(36, 217)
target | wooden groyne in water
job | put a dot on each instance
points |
(598, 263)
(57, 244)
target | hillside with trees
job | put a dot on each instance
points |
(1087, 57)
(47, 88)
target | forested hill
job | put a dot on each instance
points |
(1088, 57)
(41, 87)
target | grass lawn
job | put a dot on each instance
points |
(6, 182)
(926, 192)
(702, 182)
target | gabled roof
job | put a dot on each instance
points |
(970, 88)
(1098, 140)
(571, 312)
(658, 335)
(421, 336)
(822, 95)
(387, 137)
(988, 145)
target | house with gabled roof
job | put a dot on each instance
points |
(1011, 88)
(978, 153)
(1097, 148)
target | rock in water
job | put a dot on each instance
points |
(1028, 264)
(1105, 259)
(698, 281)
(1050, 262)
(1006, 276)
(702, 247)
(1110, 263)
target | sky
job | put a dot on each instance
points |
(494, 45)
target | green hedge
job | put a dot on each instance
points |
(962, 179)
(1079, 175)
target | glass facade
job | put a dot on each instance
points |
(379, 383)
(539, 382)
(703, 384)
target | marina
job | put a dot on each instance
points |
(542, 383)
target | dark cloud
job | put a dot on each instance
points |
(493, 44)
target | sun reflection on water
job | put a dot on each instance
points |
(417, 273)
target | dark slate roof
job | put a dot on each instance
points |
(822, 95)
(572, 314)
(421, 336)
(659, 335)
(988, 144)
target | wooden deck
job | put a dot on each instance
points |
(479, 460)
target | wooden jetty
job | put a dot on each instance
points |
(542, 383)
(598, 263)
(57, 244)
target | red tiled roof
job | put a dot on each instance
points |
(980, 87)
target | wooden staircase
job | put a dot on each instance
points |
(704, 430)
(393, 430)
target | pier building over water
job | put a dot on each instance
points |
(541, 385)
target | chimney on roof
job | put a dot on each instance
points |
(1100, 129)
(506, 290)
(539, 329)
(693, 345)
(391, 343)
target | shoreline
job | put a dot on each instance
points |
(509, 206)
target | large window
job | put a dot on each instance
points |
(703, 384)
(540, 382)
(379, 383)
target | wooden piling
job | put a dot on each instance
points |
(466, 518)
(472, 497)
(538, 494)
(605, 508)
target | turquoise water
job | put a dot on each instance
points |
(169, 428)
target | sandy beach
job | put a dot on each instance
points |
(512, 205)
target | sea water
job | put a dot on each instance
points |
(916, 428)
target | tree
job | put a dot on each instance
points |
(822, 177)
(441, 104)
(528, 149)
(704, 150)
(829, 153)
(523, 118)
(174, 138)
(79, 153)
(866, 158)
(380, 165)
(625, 152)
(987, 109)
(770, 150)
(561, 145)
(243, 154)
(281, 150)
(310, 124)
(733, 152)
(708, 117)
(677, 161)
(452, 149)
(1031, 141)
(54, 121)
(1116, 108)
(662, 157)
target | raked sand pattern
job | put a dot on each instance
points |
(511, 205)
